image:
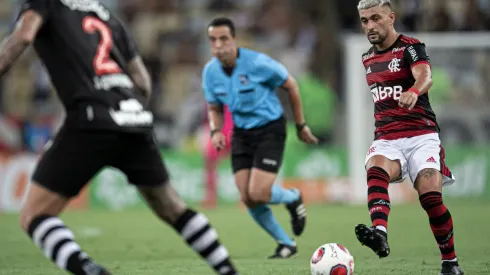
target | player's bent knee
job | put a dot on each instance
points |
(428, 180)
(259, 194)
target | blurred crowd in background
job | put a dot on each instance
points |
(305, 35)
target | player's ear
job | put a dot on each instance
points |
(391, 15)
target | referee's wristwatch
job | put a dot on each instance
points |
(214, 131)
(300, 126)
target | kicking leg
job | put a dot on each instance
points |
(192, 226)
(260, 191)
(380, 171)
(38, 217)
(429, 187)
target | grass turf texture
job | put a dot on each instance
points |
(134, 242)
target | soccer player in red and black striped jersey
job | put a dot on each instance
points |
(407, 141)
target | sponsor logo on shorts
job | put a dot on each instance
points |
(269, 162)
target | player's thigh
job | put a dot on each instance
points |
(384, 154)
(425, 164)
(73, 158)
(267, 162)
(139, 158)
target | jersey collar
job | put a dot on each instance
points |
(390, 47)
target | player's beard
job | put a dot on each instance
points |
(378, 38)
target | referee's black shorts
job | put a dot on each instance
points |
(75, 156)
(261, 147)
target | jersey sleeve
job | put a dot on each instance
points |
(208, 93)
(42, 7)
(415, 54)
(128, 46)
(271, 71)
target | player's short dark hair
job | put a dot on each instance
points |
(223, 21)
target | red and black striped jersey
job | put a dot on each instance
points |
(388, 75)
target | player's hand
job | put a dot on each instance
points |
(219, 141)
(306, 136)
(408, 100)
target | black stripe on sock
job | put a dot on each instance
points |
(377, 189)
(445, 238)
(447, 250)
(431, 204)
(35, 223)
(198, 234)
(210, 249)
(184, 219)
(379, 216)
(375, 170)
(444, 218)
(43, 238)
(57, 247)
(430, 194)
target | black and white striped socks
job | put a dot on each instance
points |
(203, 239)
(58, 244)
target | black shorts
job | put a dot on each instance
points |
(75, 156)
(260, 148)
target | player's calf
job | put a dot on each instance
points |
(429, 187)
(39, 219)
(197, 232)
(193, 227)
(58, 244)
(379, 203)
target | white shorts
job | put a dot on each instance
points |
(415, 154)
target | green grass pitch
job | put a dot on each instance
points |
(134, 242)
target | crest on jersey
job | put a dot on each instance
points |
(394, 65)
(318, 255)
(243, 79)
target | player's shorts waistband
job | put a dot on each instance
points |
(276, 127)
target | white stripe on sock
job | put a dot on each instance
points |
(194, 225)
(205, 240)
(64, 253)
(43, 227)
(54, 238)
(382, 228)
(217, 256)
(451, 261)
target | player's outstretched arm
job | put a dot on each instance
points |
(23, 35)
(140, 76)
(304, 132)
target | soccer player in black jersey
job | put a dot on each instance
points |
(103, 85)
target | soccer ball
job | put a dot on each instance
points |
(332, 259)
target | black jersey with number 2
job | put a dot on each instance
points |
(86, 51)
